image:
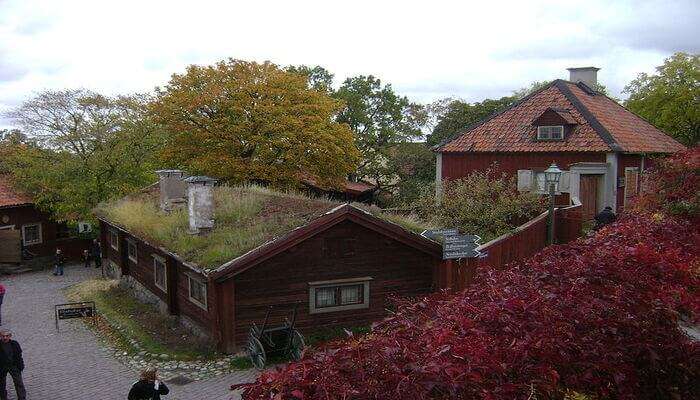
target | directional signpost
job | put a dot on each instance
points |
(454, 245)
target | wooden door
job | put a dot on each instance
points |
(10, 246)
(589, 196)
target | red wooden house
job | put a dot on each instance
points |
(602, 146)
(22, 225)
(249, 248)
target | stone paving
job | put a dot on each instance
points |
(72, 364)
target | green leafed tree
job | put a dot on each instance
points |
(379, 119)
(458, 115)
(670, 99)
(81, 148)
(246, 121)
(318, 77)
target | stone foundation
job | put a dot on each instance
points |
(144, 295)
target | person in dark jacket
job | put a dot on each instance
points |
(59, 262)
(2, 296)
(148, 387)
(605, 217)
(11, 362)
(96, 253)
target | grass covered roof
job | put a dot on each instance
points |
(245, 217)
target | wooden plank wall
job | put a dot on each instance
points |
(523, 242)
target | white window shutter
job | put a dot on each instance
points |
(524, 180)
(564, 182)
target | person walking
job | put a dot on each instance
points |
(96, 253)
(2, 295)
(86, 258)
(59, 263)
(149, 387)
(11, 362)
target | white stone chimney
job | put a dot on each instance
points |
(200, 203)
(173, 190)
(587, 75)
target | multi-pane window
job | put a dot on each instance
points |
(550, 132)
(160, 275)
(132, 251)
(114, 239)
(339, 295)
(198, 292)
(31, 234)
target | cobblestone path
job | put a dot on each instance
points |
(72, 364)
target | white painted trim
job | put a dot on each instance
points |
(199, 304)
(41, 236)
(338, 283)
(4, 227)
(159, 259)
(610, 183)
(113, 233)
(132, 241)
(561, 131)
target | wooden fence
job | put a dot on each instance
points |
(521, 243)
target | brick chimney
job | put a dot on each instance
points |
(200, 203)
(173, 190)
(587, 75)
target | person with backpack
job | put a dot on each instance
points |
(149, 387)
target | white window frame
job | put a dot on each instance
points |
(24, 236)
(198, 303)
(314, 286)
(545, 132)
(113, 239)
(129, 244)
(156, 260)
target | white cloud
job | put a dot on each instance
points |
(427, 50)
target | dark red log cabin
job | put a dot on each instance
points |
(26, 226)
(338, 262)
(602, 146)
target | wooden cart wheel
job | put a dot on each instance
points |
(297, 345)
(256, 352)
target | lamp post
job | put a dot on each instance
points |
(551, 178)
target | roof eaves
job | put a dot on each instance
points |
(438, 147)
(589, 117)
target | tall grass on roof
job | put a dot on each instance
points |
(245, 217)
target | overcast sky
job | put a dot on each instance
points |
(425, 49)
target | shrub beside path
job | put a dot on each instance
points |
(72, 364)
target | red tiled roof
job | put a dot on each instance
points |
(601, 125)
(9, 196)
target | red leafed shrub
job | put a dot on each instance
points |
(673, 186)
(598, 316)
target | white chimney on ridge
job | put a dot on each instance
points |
(200, 203)
(173, 190)
(587, 75)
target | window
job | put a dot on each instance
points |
(132, 250)
(550, 132)
(31, 234)
(160, 274)
(339, 295)
(198, 292)
(114, 239)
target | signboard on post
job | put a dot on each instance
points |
(454, 245)
(84, 309)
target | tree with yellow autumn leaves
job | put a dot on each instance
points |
(245, 121)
